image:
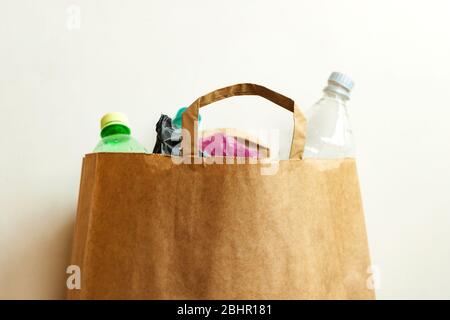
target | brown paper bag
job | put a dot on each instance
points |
(156, 227)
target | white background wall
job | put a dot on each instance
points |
(148, 57)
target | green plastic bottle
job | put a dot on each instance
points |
(116, 135)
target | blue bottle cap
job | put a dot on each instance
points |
(176, 122)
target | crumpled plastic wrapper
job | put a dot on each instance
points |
(168, 138)
(221, 145)
(168, 141)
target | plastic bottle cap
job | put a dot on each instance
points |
(178, 118)
(342, 80)
(113, 118)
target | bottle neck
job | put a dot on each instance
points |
(336, 90)
(331, 93)
(115, 129)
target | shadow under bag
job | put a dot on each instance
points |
(158, 227)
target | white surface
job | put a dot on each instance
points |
(148, 57)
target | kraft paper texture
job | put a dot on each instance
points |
(151, 229)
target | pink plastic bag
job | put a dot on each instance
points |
(220, 144)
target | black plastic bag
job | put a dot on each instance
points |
(168, 138)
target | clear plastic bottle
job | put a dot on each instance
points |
(116, 135)
(329, 134)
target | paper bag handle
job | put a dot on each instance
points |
(190, 116)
